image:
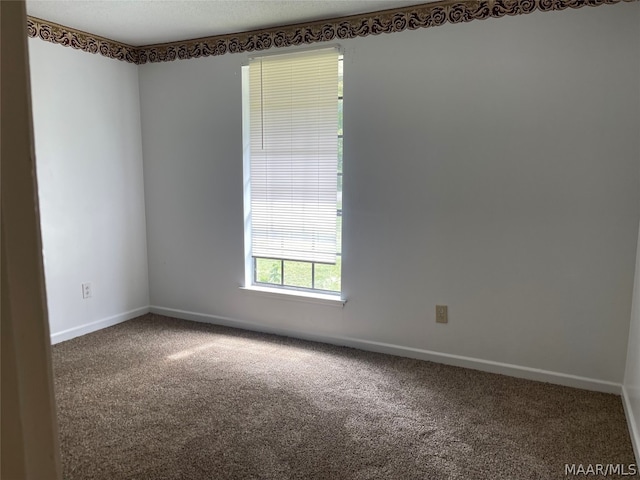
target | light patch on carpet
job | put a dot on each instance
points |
(161, 399)
(191, 351)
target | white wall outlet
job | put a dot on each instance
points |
(87, 290)
(442, 314)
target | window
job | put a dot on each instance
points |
(292, 124)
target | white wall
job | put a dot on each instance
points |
(631, 385)
(86, 114)
(490, 166)
(632, 373)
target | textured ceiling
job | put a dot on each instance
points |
(143, 22)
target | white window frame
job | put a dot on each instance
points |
(284, 291)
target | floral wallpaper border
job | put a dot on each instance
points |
(69, 37)
(387, 21)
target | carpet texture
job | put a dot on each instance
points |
(159, 398)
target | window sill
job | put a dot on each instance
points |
(298, 296)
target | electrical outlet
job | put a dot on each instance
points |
(442, 314)
(86, 290)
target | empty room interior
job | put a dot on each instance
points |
(344, 239)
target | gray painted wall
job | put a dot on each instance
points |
(86, 116)
(632, 372)
(631, 385)
(490, 166)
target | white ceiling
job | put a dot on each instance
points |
(143, 22)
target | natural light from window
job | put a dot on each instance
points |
(293, 144)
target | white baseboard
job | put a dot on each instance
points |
(634, 432)
(97, 325)
(446, 358)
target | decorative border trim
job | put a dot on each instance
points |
(87, 42)
(385, 21)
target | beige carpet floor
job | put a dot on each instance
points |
(159, 398)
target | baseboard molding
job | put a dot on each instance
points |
(97, 325)
(445, 358)
(634, 432)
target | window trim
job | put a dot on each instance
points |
(308, 295)
(289, 293)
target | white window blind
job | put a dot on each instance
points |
(294, 152)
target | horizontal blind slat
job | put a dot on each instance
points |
(294, 150)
